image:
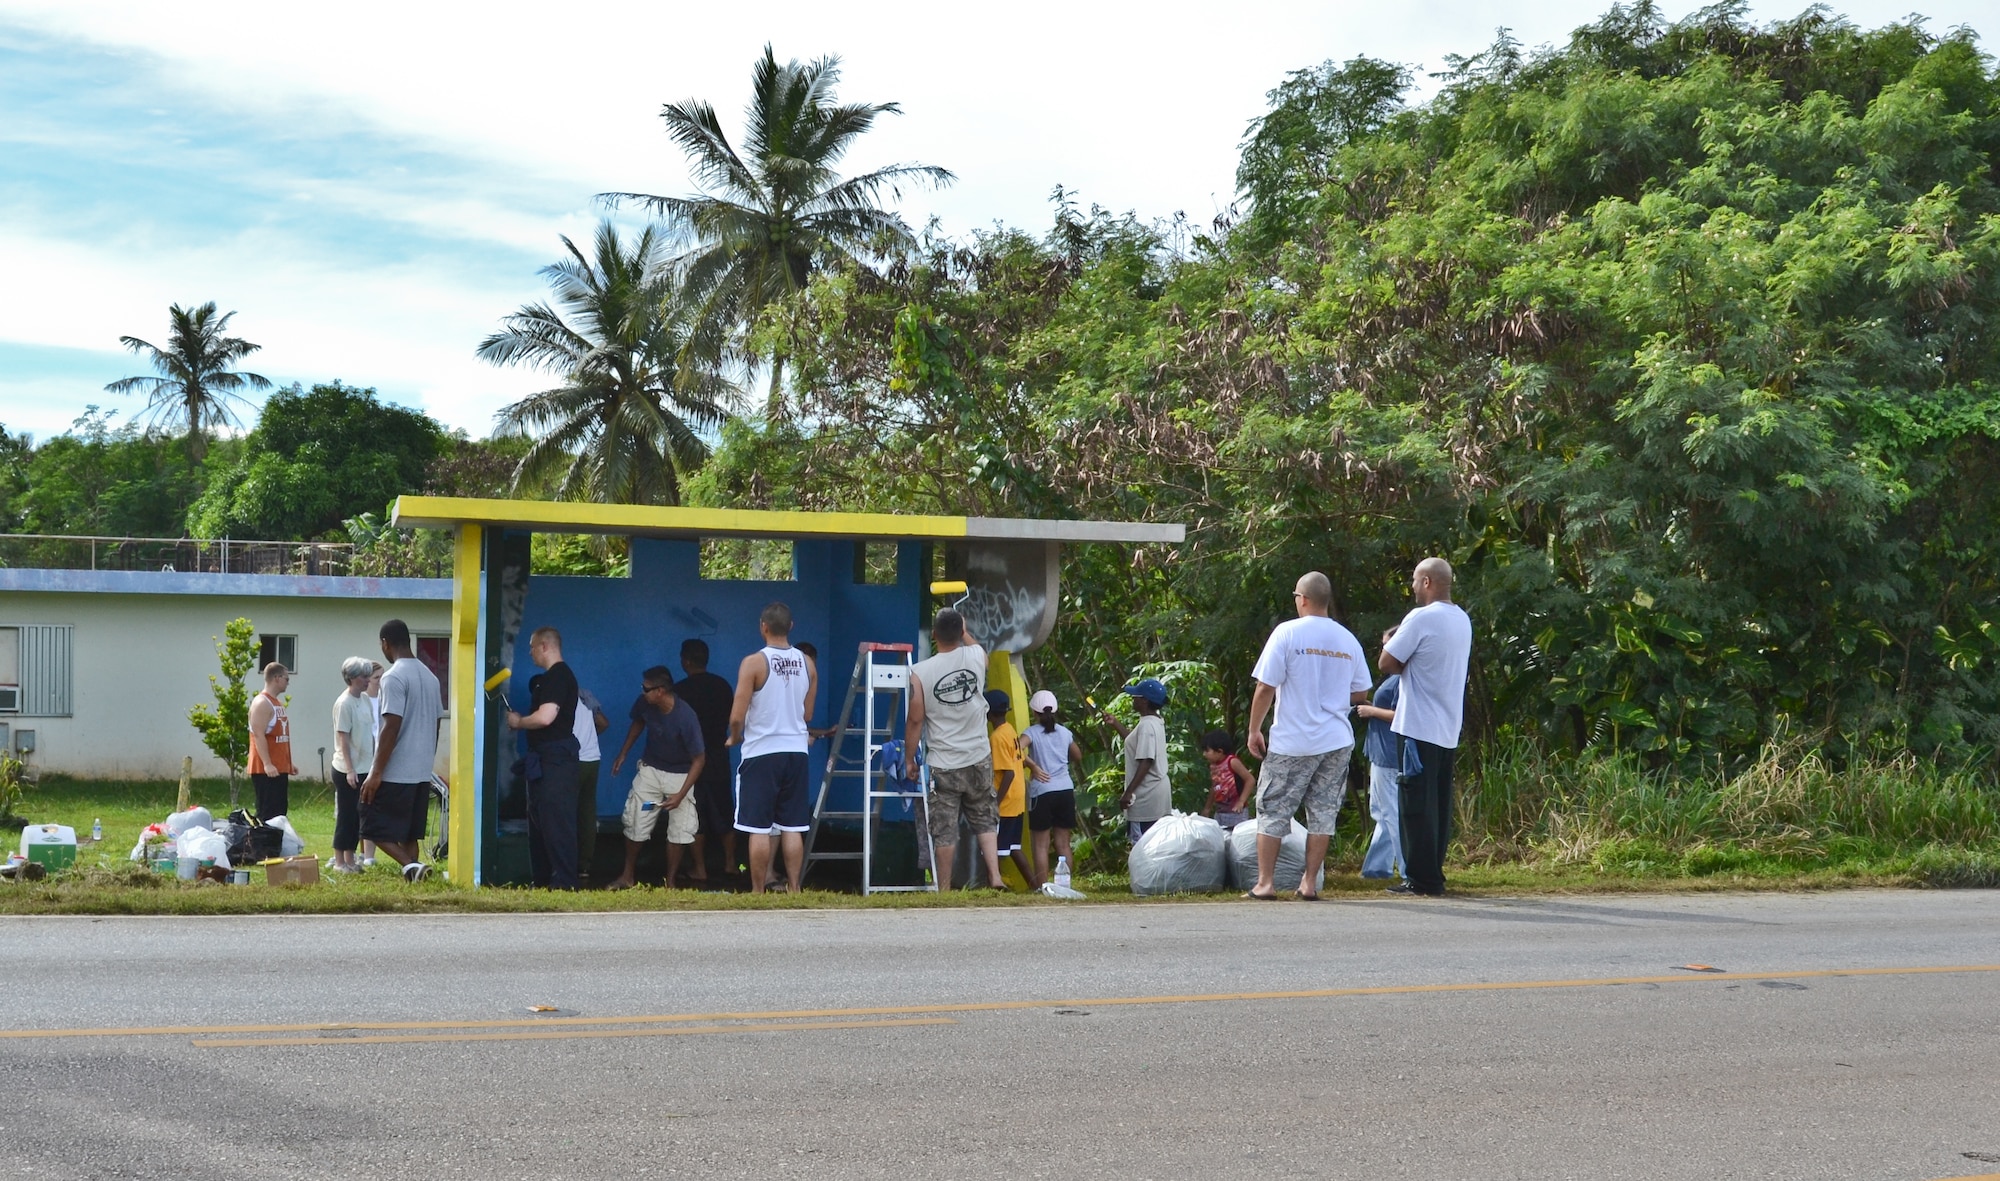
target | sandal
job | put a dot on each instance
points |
(1254, 896)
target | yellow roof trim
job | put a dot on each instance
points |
(550, 516)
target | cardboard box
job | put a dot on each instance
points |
(293, 871)
(53, 846)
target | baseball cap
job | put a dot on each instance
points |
(1152, 689)
(1042, 700)
(997, 699)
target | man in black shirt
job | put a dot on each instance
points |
(552, 763)
(710, 697)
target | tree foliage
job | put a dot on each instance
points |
(624, 426)
(195, 380)
(317, 457)
(1677, 339)
(225, 726)
(776, 212)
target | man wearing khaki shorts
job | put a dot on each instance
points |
(668, 768)
(948, 713)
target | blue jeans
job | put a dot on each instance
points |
(1385, 850)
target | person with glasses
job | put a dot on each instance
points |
(670, 765)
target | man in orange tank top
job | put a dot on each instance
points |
(271, 744)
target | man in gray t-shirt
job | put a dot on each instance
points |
(948, 713)
(395, 795)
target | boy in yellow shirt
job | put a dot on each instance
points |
(1010, 783)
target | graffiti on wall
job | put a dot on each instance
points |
(1010, 600)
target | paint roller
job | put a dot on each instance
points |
(493, 684)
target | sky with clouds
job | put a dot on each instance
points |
(371, 187)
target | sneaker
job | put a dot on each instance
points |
(368, 863)
(416, 871)
(349, 868)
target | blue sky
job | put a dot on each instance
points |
(371, 187)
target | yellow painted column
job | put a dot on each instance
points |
(465, 704)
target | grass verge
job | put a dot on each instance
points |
(1531, 825)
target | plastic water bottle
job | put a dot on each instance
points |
(1062, 872)
(97, 829)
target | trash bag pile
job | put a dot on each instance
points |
(1181, 854)
(196, 834)
(1291, 858)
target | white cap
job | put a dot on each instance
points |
(1042, 700)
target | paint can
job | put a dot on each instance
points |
(239, 877)
(186, 867)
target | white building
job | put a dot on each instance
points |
(99, 668)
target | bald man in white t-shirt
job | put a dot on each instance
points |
(1431, 650)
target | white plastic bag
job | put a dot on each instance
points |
(202, 844)
(1063, 892)
(291, 845)
(1291, 858)
(180, 822)
(1181, 854)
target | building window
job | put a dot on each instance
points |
(282, 649)
(10, 670)
(35, 669)
(435, 653)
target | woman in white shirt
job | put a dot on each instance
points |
(1049, 748)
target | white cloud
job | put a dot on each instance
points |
(516, 115)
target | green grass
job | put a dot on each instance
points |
(1530, 825)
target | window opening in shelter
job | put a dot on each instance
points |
(747, 559)
(580, 555)
(875, 563)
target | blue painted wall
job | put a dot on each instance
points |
(615, 628)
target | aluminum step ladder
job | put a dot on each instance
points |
(873, 713)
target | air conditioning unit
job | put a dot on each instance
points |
(10, 699)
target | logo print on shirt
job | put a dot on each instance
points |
(788, 666)
(957, 688)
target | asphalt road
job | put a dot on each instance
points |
(1438, 1039)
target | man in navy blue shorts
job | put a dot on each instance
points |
(775, 687)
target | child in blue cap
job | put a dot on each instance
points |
(1147, 795)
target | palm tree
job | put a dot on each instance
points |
(766, 223)
(623, 425)
(195, 382)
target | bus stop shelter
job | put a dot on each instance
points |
(854, 578)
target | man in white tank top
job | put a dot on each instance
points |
(775, 688)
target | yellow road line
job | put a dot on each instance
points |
(538, 1035)
(1978, 1177)
(1001, 1006)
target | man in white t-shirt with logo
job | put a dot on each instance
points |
(948, 713)
(1431, 650)
(1313, 670)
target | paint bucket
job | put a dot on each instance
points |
(186, 867)
(239, 877)
(163, 865)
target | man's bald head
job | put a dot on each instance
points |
(1431, 582)
(1313, 591)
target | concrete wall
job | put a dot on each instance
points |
(144, 648)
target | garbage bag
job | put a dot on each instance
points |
(1181, 854)
(180, 822)
(291, 845)
(202, 843)
(1291, 858)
